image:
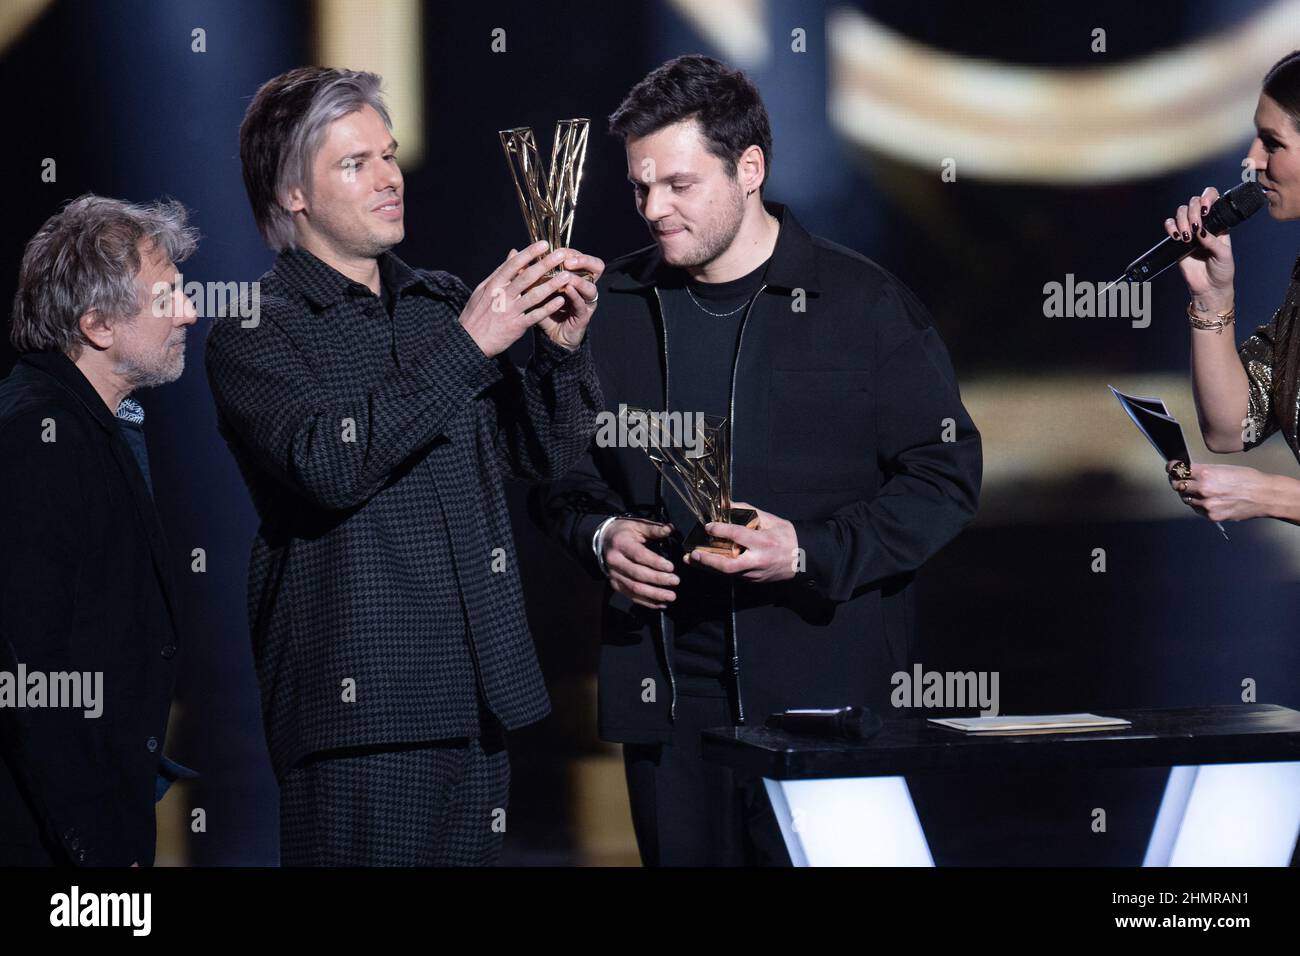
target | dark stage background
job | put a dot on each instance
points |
(863, 121)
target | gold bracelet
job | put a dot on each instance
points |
(1225, 319)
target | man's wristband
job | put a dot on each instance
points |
(598, 546)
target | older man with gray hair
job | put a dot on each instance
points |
(87, 595)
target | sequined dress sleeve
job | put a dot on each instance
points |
(1272, 366)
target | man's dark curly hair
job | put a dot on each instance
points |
(726, 105)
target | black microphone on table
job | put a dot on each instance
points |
(846, 723)
(1232, 208)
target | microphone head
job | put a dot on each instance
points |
(1235, 206)
(860, 723)
(1231, 209)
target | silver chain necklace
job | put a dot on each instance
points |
(717, 315)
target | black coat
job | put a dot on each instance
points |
(375, 448)
(87, 586)
(846, 421)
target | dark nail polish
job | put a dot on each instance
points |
(1187, 237)
(1205, 210)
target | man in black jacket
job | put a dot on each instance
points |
(847, 435)
(374, 413)
(88, 616)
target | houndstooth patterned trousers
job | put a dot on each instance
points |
(439, 803)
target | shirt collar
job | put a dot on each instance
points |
(323, 285)
(131, 411)
(57, 365)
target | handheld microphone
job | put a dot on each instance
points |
(848, 723)
(1235, 206)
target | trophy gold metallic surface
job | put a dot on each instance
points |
(699, 471)
(548, 196)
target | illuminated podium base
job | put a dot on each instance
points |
(1232, 798)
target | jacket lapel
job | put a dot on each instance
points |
(59, 367)
(148, 514)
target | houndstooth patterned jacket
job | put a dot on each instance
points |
(375, 449)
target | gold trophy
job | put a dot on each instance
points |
(701, 475)
(548, 197)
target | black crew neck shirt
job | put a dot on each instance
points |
(702, 323)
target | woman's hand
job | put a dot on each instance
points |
(1208, 271)
(1225, 492)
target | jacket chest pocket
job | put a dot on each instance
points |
(821, 435)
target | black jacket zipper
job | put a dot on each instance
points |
(731, 463)
(731, 467)
(659, 490)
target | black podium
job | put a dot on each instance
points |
(1232, 798)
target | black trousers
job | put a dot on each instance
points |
(438, 803)
(690, 812)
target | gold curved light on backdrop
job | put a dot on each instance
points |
(1106, 123)
(738, 28)
(16, 16)
(385, 38)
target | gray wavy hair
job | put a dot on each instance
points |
(282, 131)
(87, 256)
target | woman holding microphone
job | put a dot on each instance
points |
(1245, 394)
